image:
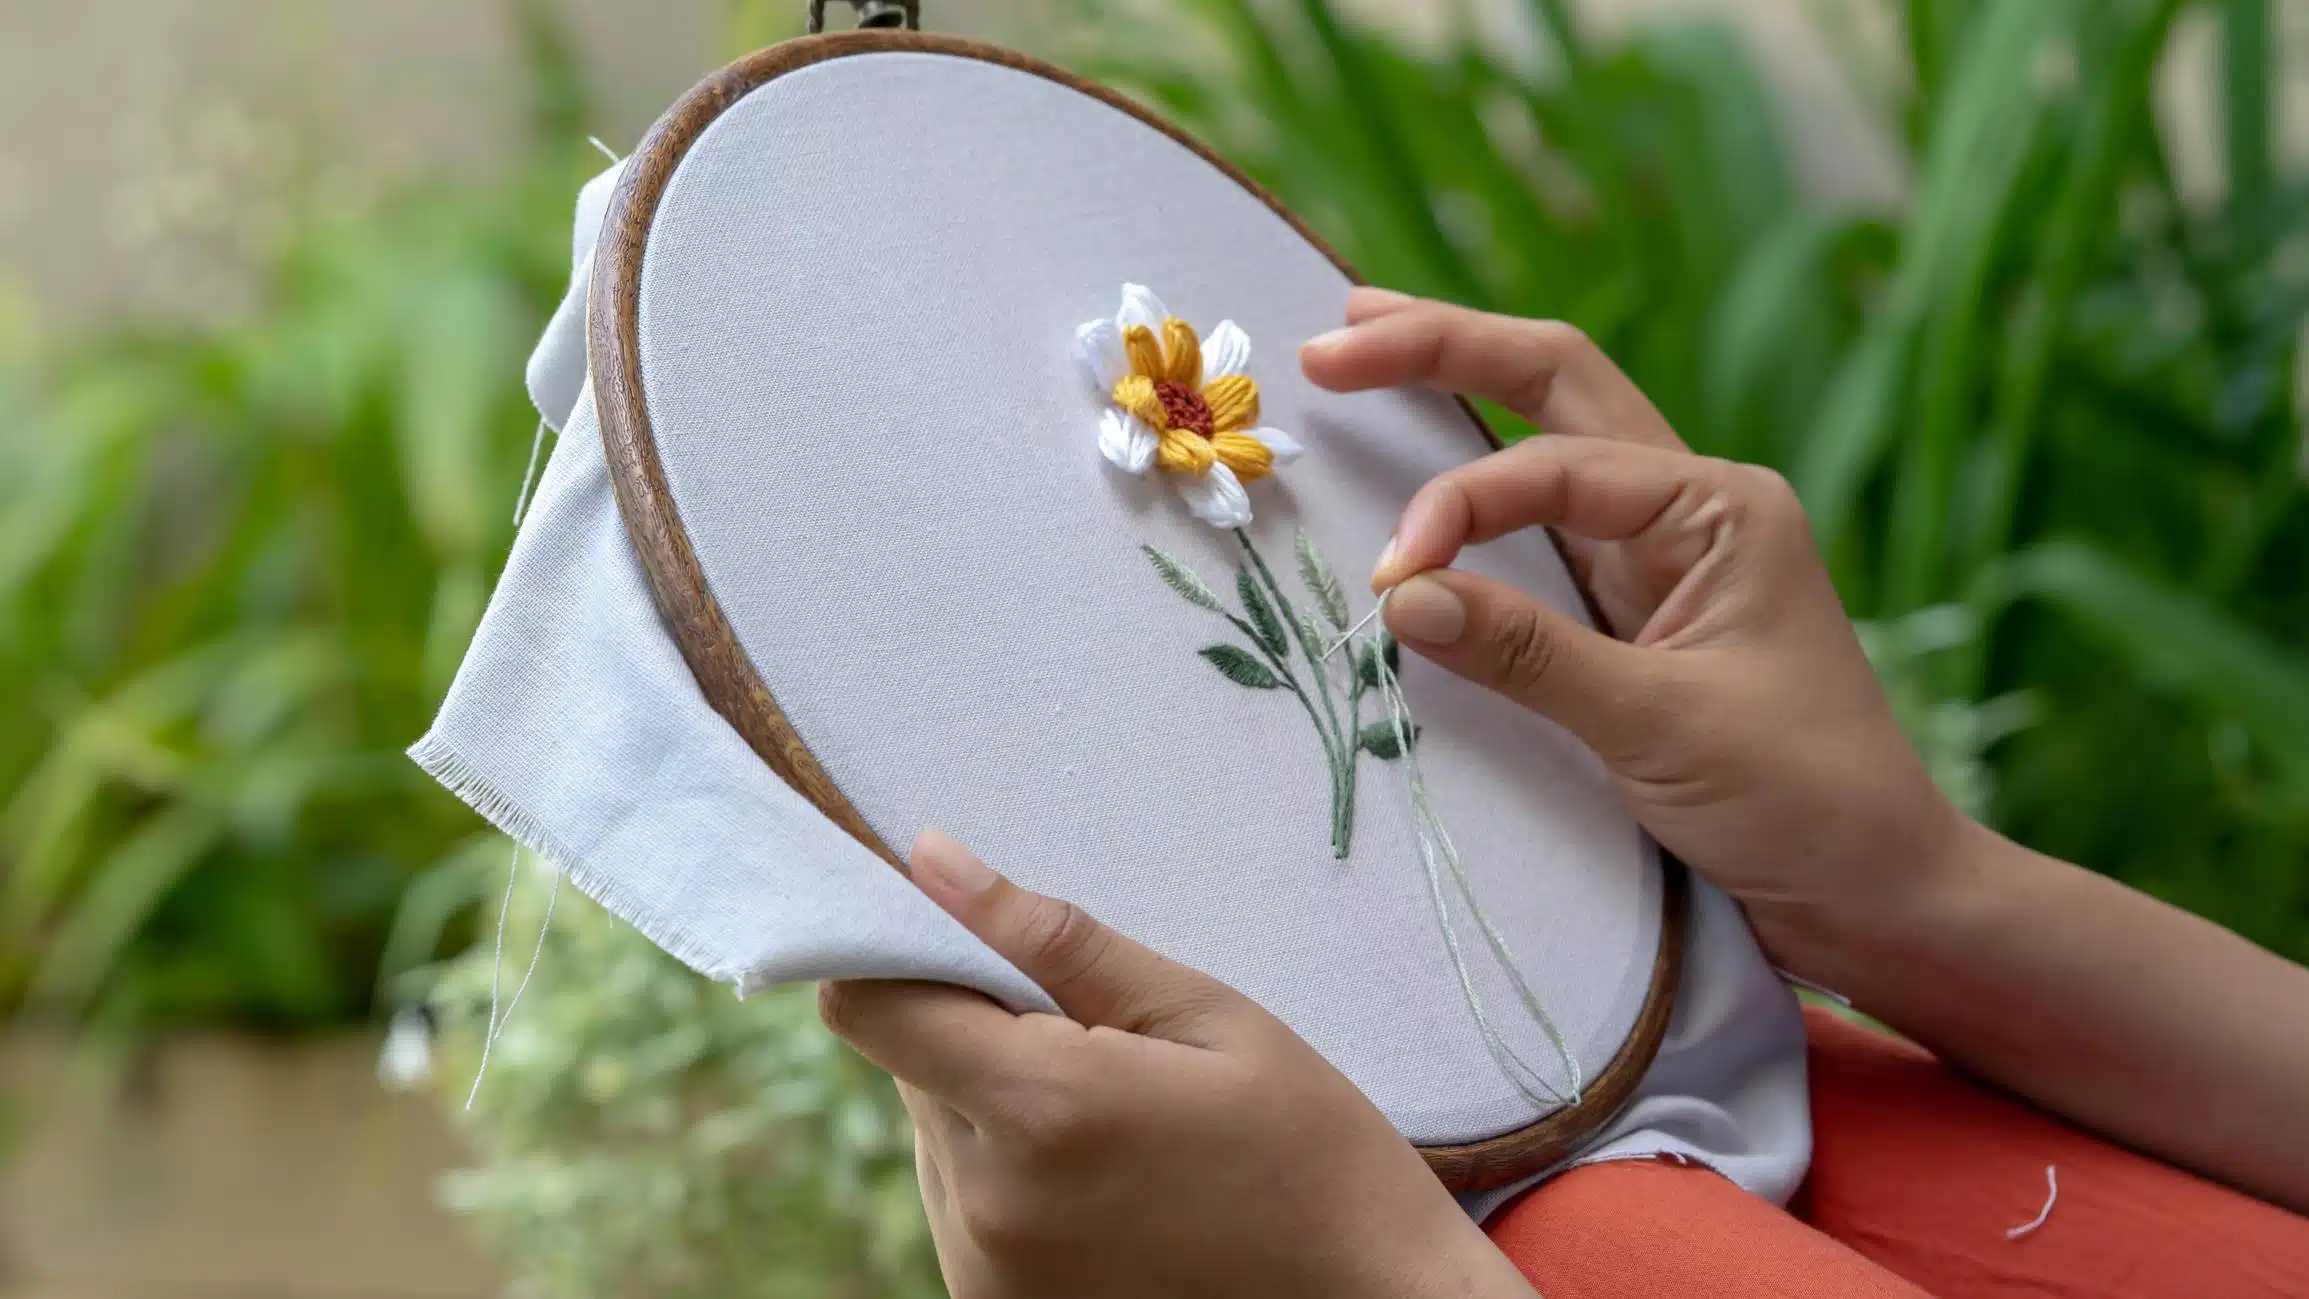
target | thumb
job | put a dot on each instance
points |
(1496, 636)
(1098, 977)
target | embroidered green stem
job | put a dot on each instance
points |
(1290, 682)
(1340, 739)
(1271, 624)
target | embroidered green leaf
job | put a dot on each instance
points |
(1269, 622)
(1314, 634)
(1240, 667)
(1378, 739)
(1182, 579)
(1321, 582)
(1261, 613)
(1369, 654)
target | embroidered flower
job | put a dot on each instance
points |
(1182, 404)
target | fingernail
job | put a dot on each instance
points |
(1383, 297)
(1327, 341)
(1379, 570)
(1426, 611)
(953, 866)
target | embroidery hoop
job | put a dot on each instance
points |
(709, 643)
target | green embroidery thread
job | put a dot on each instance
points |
(1330, 688)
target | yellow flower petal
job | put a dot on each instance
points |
(1146, 355)
(1246, 455)
(1184, 453)
(1234, 403)
(1183, 351)
(1136, 393)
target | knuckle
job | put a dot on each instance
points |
(1435, 339)
(994, 1219)
(1562, 341)
(1555, 346)
(1061, 941)
(1769, 491)
(1055, 1114)
(1523, 650)
(838, 1006)
(1055, 1125)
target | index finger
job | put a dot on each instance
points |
(947, 1041)
(1544, 370)
(1587, 487)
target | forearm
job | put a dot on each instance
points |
(2100, 1004)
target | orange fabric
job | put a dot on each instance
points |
(1925, 1172)
(1916, 1176)
(1642, 1230)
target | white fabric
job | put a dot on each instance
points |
(556, 370)
(575, 726)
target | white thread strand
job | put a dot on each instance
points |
(1360, 624)
(1799, 981)
(1439, 858)
(537, 440)
(2051, 1193)
(497, 962)
(537, 953)
(529, 475)
(497, 1022)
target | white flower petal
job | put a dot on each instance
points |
(1217, 498)
(1126, 440)
(1285, 447)
(1140, 306)
(1098, 345)
(1227, 351)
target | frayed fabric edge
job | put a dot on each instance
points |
(443, 763)
(1484, 1208)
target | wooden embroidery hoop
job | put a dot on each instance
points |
(727, 677)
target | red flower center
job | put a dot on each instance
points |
(1184, 407)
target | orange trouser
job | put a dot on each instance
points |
(1916, 1177)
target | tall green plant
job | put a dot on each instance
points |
(238, 564)
(2049, 389)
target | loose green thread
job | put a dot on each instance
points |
(1272, 626)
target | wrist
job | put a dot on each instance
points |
(1914, 889)
(1918, 936)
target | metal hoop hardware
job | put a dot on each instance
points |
(873, 13)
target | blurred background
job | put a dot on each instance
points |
(2014, 291)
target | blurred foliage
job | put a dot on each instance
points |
(2049, 407)
(643, 1132)
(238, 563)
